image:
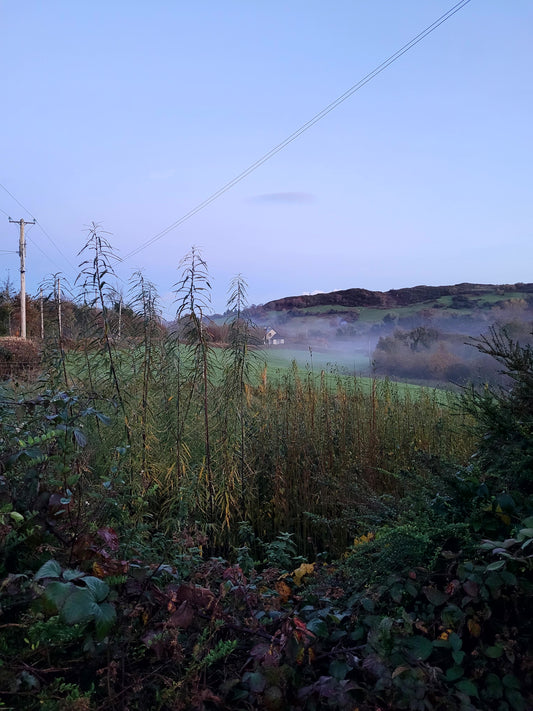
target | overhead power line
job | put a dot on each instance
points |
(15, 199)
(41, 228)
(305, 127)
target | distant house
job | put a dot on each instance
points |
(272, 338)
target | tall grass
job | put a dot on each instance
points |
(203, 436)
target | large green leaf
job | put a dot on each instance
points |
(338, 669)
(318, 627)
(51, 569)
(104, 618)
(465, 686)
(79, 607)
(98, 588)
(57, 593)
(454, 673)
(420, 647)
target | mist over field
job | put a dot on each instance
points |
(429, 340)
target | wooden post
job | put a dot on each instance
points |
(42, 315)
(22, 255)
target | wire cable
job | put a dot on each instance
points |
(40, 226)
(305, 127)
(17, 201)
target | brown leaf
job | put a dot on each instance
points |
(474, 627)
(471, 588)
(182, 617)
(109, 537)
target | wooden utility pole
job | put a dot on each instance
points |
(22, 254)
(42, 314)
(58, 295)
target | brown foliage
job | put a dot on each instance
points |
(17, 356)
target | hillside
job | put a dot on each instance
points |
(395, 297)
(422, 334)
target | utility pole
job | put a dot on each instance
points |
(42, 314)
(58, 295)
(22, 254)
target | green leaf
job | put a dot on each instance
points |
(57, 593)
(526, 532)
(455, 641)
(16, 516)
(79, 607)
(318, 627)
(98, 588)
(511, 682)
(435, 597)
(458, 656)
(338, 669)
(368, 604)
(493, 686)
(51, 569)
(104, 618)
(396, 592)
(467, 687)
(454, 673)
(255, 681)
(494, 652)
(516, 700)
(72, 574)
(79, 436)
(420, 647)
(497, 565)
(411, 589)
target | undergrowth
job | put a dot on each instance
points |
(178, 532)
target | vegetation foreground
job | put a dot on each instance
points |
(177, 531)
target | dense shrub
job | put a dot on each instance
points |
(18, 356)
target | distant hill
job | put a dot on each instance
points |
(395, 298)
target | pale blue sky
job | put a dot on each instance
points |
(131, 113)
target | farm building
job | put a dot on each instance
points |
(272, 338)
